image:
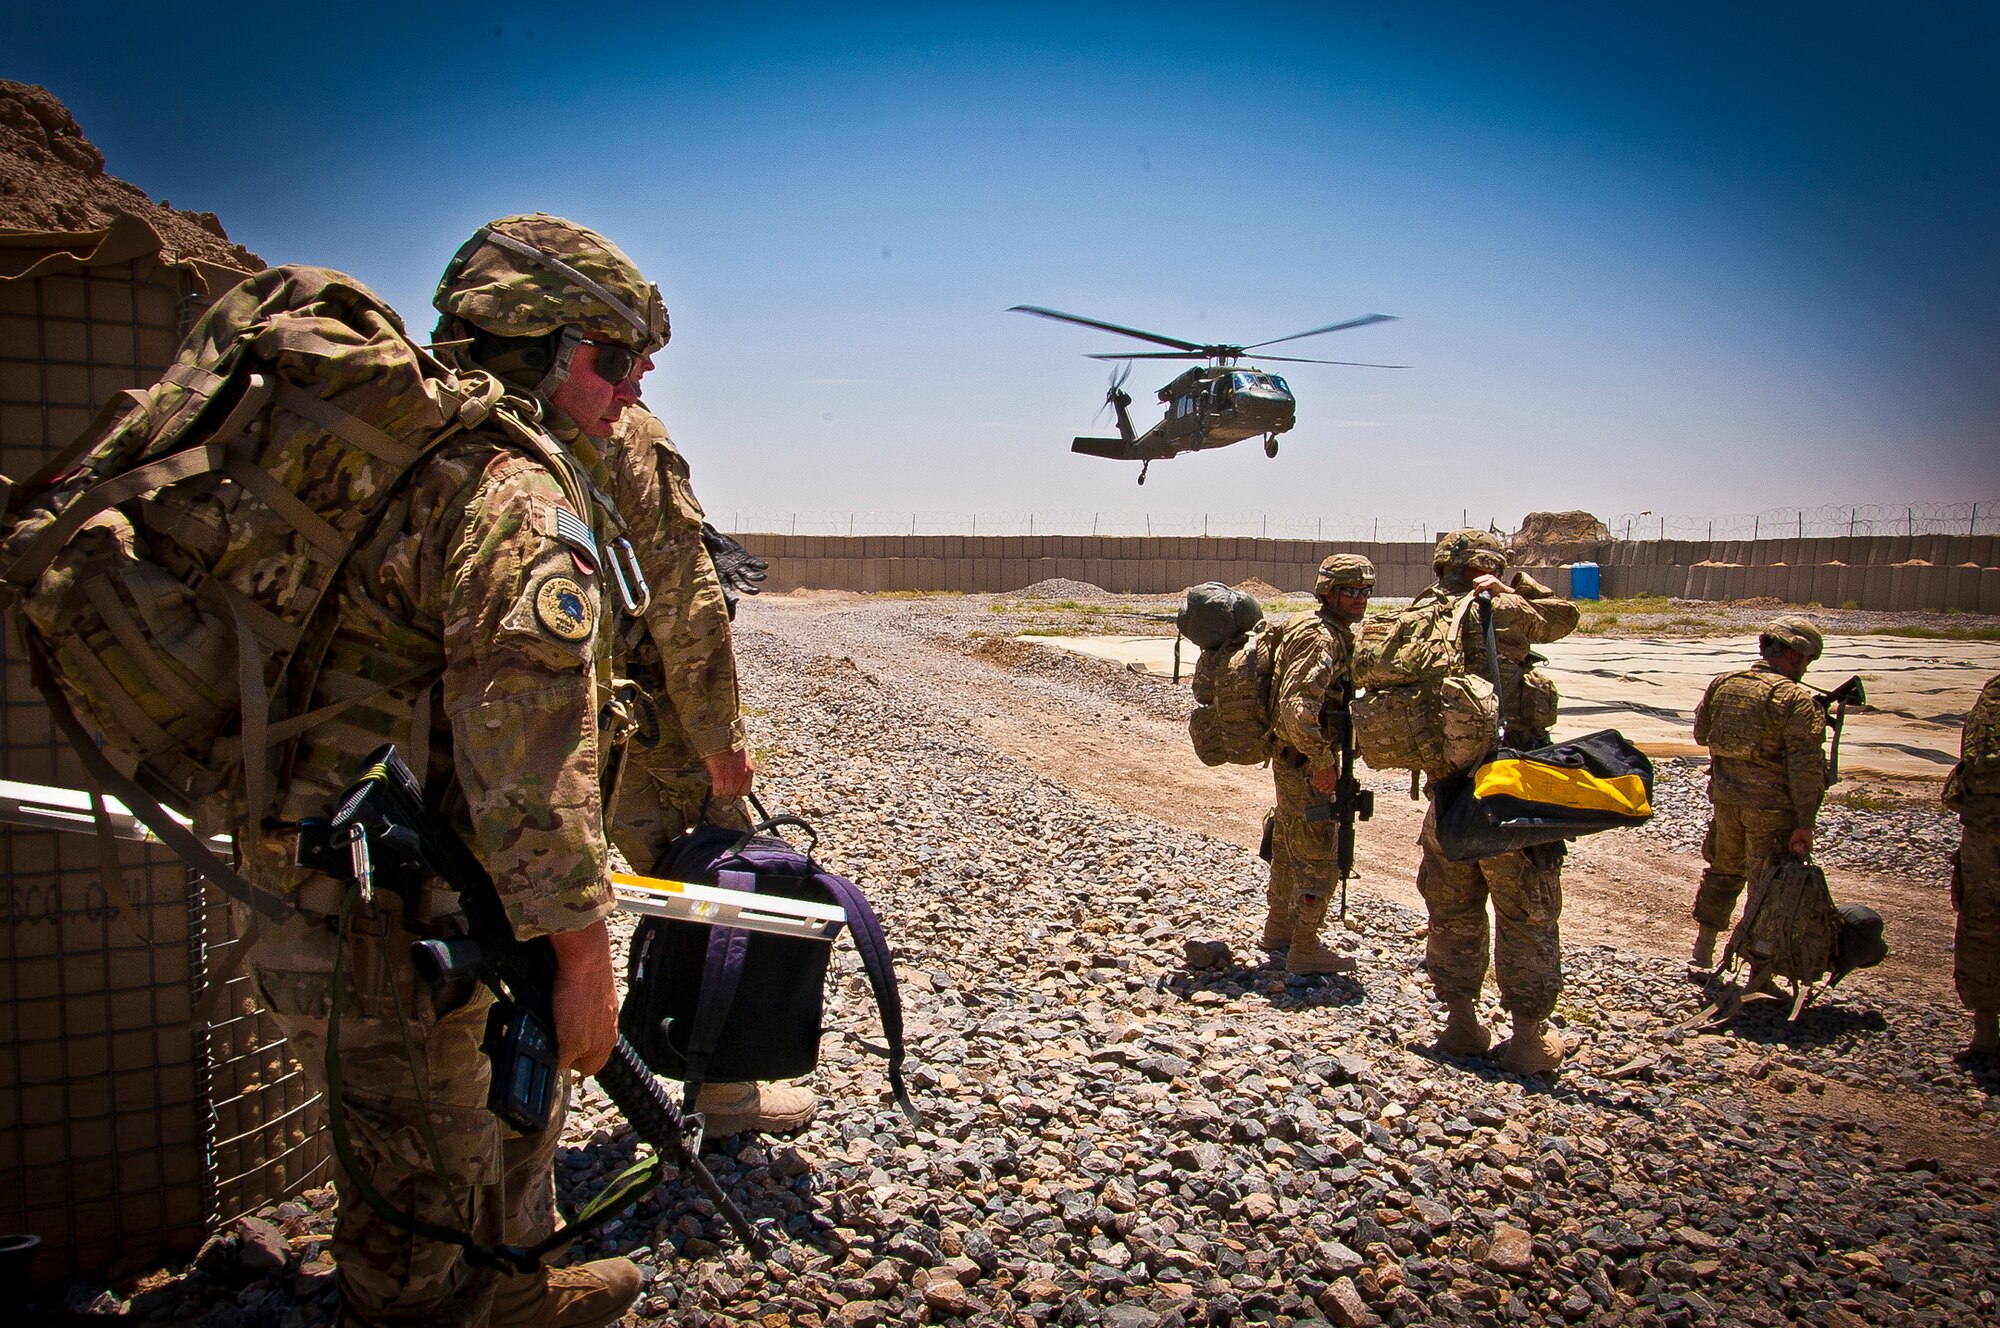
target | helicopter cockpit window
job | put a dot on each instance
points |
(1280, 384)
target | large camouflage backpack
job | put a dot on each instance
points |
(1790, 926)
(168, 565)
(1231, 723)
(1419, 709)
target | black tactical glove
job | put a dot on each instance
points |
(741, 571)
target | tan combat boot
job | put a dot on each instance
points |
(1985, 1035)
(1704, 948)
(1308, 956)
(1533, 1049)
(767, 1108)
(1463, 1034)
(584, 1295)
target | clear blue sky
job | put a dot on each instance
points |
(1689, 258)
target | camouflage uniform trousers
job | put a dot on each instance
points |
(1302, 852)
(1527, 908)
(502, 1187)
(660, 795)
(1975, 893)
(1743, 841)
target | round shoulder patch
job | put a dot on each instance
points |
(563, 608)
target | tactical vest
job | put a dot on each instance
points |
(1744, 721)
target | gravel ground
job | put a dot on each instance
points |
(1126, 1129)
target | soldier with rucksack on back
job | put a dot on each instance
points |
(1312, 681)
(312, 538)
(1524, 885)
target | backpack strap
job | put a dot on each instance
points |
(875, 959)
(721, 975)
(196, 854)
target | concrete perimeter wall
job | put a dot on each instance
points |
(1870, 572)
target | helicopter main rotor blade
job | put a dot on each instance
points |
(1358, 364)
(1363, 321)
(1156, 355)
(1062, 317)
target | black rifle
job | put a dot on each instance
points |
(1350, 802)
(1848, 693)
(384, 836)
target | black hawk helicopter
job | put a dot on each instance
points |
(1213, 404)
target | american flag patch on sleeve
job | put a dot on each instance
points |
(566, 526)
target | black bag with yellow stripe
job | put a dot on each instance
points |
(1516, 800)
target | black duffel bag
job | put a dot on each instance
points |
(1517, 800)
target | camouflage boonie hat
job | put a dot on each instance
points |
(1462, 548)
(1795, 632)
(1344, 569)
(528, 276)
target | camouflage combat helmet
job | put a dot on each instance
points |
(1344, 569)
(530, 275)
(1464, 547)
(1794, 632)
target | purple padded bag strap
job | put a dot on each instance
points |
(874, 948)
(721, 974)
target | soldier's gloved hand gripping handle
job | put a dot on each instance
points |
(585, 998)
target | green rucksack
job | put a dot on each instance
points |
(1419, 709)
(1231, 723)
(168, 565)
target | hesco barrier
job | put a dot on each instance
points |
(1936, 572)
(139, 1108)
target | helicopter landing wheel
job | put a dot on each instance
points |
(1271, 446)
(1143, 466)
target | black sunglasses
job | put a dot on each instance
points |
(615, 363)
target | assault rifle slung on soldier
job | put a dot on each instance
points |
(383, 836)
(1350, 802)
(1848, 693)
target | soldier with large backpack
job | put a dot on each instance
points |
(310, 538)
(1312, 681)
(1525, 885)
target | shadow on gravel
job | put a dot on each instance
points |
(1763, 1021)
(1297, 993)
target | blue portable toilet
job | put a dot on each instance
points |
(1583, 581)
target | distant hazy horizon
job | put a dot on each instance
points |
(1699, 261)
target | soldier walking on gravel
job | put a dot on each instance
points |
(1973, 791)
(1311, 674)
(1525, 886)
(687, 760)
(1765, 732)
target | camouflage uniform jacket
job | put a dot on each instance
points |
(1525, 617)
(1767, 735)
(490, 628)
(1973, 790)
(1314, 651)
(682, 656)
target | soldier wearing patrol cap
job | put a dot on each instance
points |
(1523, 886)
(1311, 675)
(478, 599)
(1766, 737)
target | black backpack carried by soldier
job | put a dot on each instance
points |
(1231, 723)
(715, 1003)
